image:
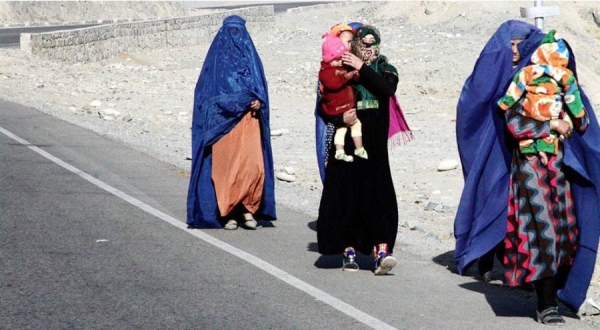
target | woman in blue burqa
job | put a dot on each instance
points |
(232, 178)
(543, 220)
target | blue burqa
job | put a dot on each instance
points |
(481, 219)
(231, 78)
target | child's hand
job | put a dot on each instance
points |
(543, 158)
(255, 105)
(350, 74)
(562, 127)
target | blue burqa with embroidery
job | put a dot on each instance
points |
(232, 77)
(481, 219)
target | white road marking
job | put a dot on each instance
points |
(330, 300)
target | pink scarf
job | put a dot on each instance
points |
(399, 133)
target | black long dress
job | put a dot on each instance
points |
(358, 206)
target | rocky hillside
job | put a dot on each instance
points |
(40, 12)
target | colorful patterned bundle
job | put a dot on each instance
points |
(546, 83)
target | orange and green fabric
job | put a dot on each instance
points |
(546, 85)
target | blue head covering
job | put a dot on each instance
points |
(481, 218)
(355, 25)
(232, 77)
(520, 30)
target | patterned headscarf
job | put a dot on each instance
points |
(368, 52)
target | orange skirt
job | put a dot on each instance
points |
(238, 169)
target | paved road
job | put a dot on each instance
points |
(10, 37)
(93, 237)
(278, 6)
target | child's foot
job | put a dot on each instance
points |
(349, 264)
(340, 155)
(362, 153)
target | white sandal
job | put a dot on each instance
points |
(250, 223)
(231, 225)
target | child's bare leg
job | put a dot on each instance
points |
(338, 141)
(357, 141)
(356, 133)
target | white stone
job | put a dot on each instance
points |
(285, 177)
(278, 132)
(290, 170)
(111, 112)
(95, 103)
(447, 165)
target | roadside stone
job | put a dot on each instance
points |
(447, 165)
(431, 206)
(111, 112)
(278, 132)
(282, 176)
(590, 307)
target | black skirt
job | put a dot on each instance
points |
(358, 206)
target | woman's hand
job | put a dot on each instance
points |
(352, 60)
(562, 127)
(349, 117)
(255, 105)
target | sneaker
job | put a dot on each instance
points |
(384, 262)
(349, 264)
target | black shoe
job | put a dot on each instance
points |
(487, 276)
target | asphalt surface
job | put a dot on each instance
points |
(93, 236)
(278, 6)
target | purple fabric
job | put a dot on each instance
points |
(399, 133)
